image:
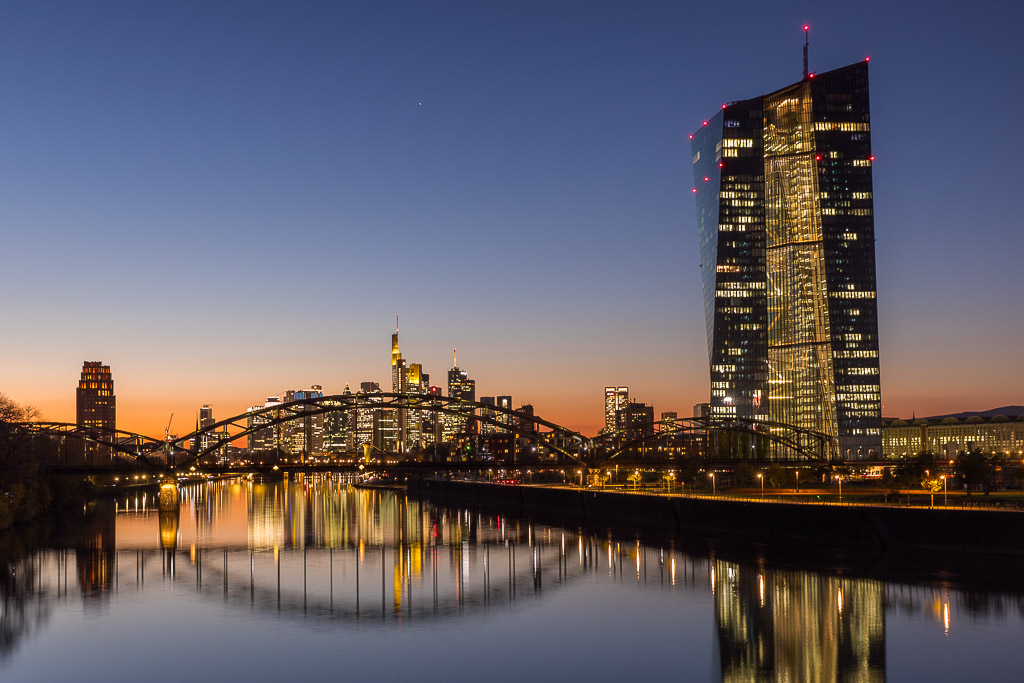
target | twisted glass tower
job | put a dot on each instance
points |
(786, 227)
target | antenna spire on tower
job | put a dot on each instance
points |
(396, 323)
(807, 28)
(455, 360)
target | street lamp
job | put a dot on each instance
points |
(760, 478)
(839, 478)
(714, 490)
(945, 501)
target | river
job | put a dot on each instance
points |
(311, 578)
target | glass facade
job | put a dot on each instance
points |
(785, 221)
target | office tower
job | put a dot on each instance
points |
(339, 428)
(305, 434)
(615, 399)
(368, 419)
(94, 398)
(209, 438)
(398, 386)
(95, 403)
(634, 422)
(784, 212)
(268, 439)
(460, 387)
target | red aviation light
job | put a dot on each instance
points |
(724, 106)
(817, 157)
(811, 75)
(695, 189)
(871, 158)
(720, 164)
(867, 59)
(706, 179)
(807, 27)
(691, 137)
(705, 123)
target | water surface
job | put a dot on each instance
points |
(309, 577)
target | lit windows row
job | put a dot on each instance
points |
(856, 354)
(738, 142)
(843, 126)
(846, 212)
(852, 295)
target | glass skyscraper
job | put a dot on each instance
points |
(785, 220)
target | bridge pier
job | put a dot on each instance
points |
(170, 513)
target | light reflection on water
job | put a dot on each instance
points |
(252, 579)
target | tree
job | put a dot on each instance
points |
(23, 494)
(977, 470)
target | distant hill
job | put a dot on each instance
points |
(1008, 411)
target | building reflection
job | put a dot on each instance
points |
(784, 624)
(95, 556)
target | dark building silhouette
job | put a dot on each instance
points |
(785, 217)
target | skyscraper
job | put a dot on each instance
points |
(460, 386)
(615, 399)
(95, 405)
(785, 220)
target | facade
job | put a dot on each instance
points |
(339, 429)
(948, 436)
(785, 218)
(95, 404)
(615, 399)
(635, 421)
(306, 434)
(460, 386)
(268, 439)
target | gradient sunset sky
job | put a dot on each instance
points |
(225, 200)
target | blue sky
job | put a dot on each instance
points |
(224, 200)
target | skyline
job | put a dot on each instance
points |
(264, 190)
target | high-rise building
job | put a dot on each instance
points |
(340, 428)
(266, 440)
(615, 399)
(95, 404)
(94, 398)
(785, 220)
(397, 422)
(461, 387)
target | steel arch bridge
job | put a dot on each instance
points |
(566, 444)
(791, 443)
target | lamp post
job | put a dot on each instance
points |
(945, 500)
(714, 490)
(839, 478)
(760, 478)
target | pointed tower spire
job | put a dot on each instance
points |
(455, 360)
(807, 29)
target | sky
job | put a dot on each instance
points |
(224, 200)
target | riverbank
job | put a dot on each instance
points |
(988, 532)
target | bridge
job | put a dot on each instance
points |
(531, 440)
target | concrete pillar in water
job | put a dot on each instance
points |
(170, 511)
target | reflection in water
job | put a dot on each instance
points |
(316, 551)
(797, 625)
